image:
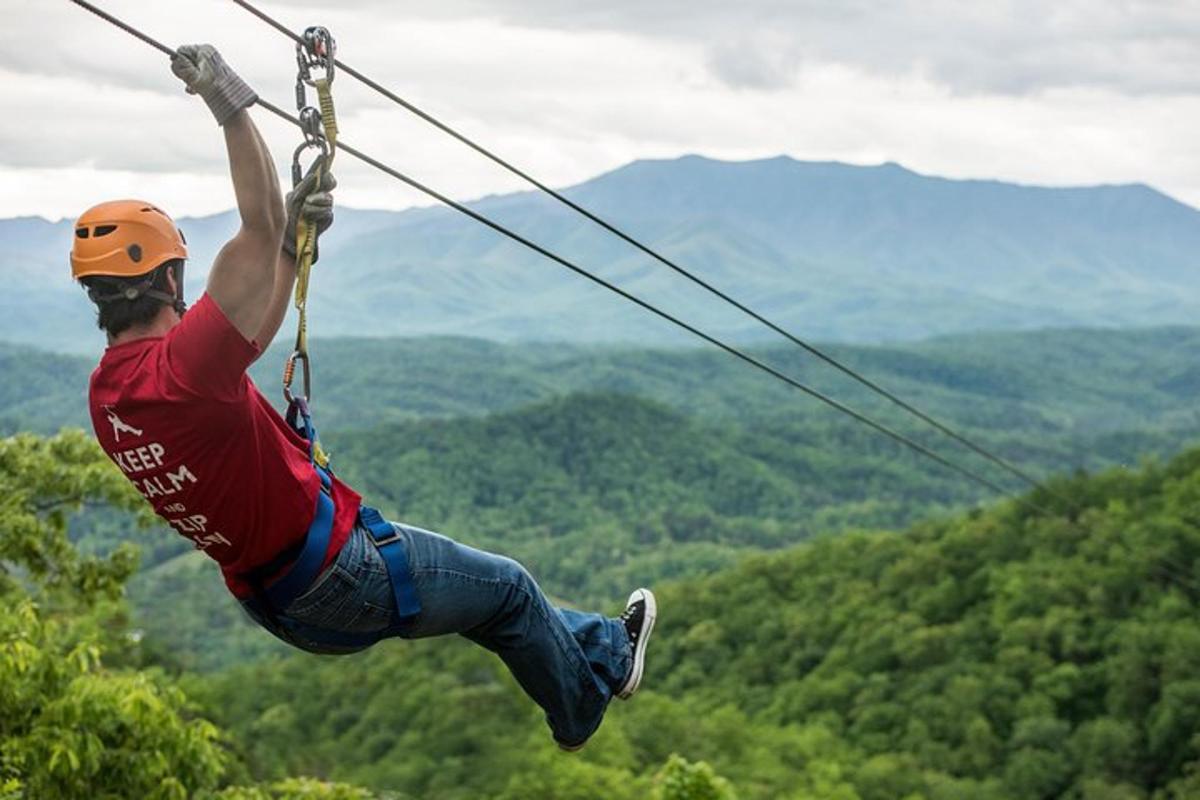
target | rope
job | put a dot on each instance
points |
(629, 239)
(1171, 570)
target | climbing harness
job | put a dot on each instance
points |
(278, 583)
(315, 52)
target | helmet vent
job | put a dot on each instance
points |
(135, 253)
(103, 230)
(82, 233)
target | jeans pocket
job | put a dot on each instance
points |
(351, 596)
(326, 600)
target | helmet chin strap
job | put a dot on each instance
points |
(177, 301)
(146, 289)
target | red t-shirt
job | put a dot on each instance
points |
(187, 426)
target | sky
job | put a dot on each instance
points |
(1073, 92)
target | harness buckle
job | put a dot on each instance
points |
(386, 539)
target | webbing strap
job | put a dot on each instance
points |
(300, 420)
(306, 235)
(328, 113)
(391, 547)
(306, 246)
(308, 564)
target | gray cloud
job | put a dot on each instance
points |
(985, 46)
(1010, 47)
(1062, 92)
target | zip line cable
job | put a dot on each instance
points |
(1184, 580)
(621, 234)
(734, 351)
(487, 221)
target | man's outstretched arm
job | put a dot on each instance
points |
(281, 295)
(243, 276)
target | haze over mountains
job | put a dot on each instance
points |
(835, 252)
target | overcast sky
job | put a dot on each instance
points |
(1066, 92)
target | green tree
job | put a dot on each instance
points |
(70, 727)
(295, 789)
(681, 780)
(42, 482)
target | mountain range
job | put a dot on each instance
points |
(833, 251)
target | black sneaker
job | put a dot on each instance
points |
(638, 618)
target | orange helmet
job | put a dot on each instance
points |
(124, 239)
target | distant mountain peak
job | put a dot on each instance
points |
(831, 250)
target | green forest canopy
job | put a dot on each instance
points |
(989, 654)
(1001, 654)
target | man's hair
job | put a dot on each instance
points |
(114, 313)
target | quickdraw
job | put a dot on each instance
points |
(315, 53)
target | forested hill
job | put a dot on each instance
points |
(599, 492)
(1081, 381)
(1006, 655)
(669, 463)
(834, 251)
(1012, 653)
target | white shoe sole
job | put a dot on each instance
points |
(639, 652)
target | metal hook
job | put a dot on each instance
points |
(311, 125)
(289, 373)
(317, 143)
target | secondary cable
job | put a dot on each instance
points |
(613, 229)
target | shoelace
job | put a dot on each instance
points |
(627, 616)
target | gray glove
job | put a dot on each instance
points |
(201, 67)
(312, 203)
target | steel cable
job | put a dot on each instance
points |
(629, 239)
(1168, 566)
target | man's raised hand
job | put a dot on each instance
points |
(311, 201)
(205, 73)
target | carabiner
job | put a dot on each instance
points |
(317, 143)
(311, 125)
(289, 374)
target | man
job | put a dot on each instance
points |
(173, 407)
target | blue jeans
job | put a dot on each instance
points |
(569, 662)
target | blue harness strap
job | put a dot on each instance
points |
(270, 601)
(300, 420)
(387, 541)
(307, 565)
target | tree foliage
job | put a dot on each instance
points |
(42, 482)
(72, 728)
(1042, 650)
(1001, 655)
(681, 780)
